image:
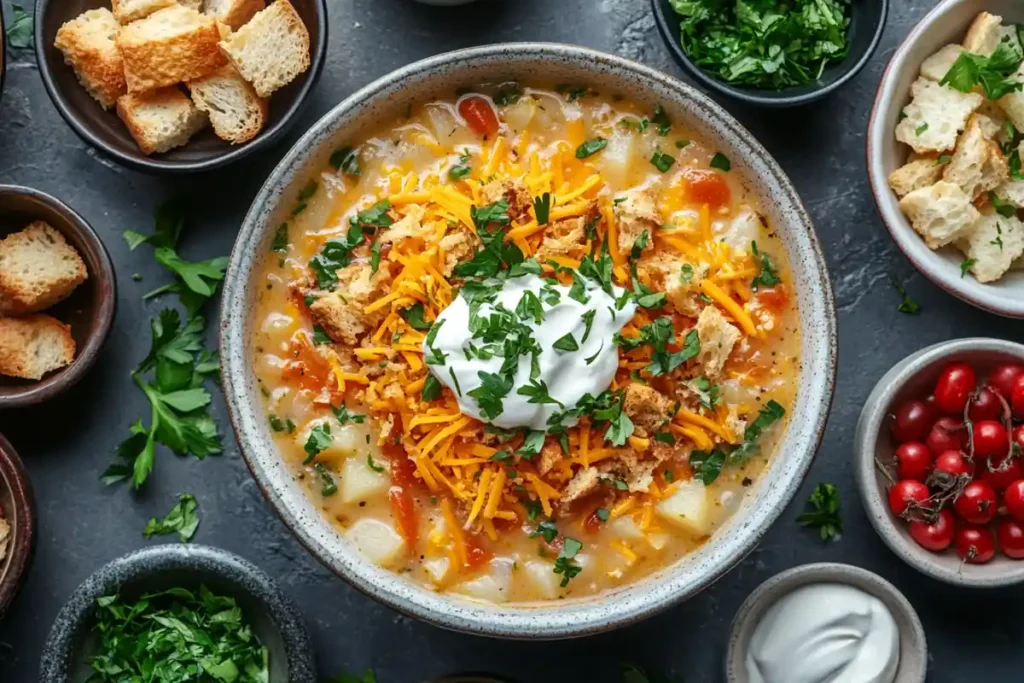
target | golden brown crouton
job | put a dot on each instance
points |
(409, 225)
(563, 238)
(271, 49)
(172, 45)
(341, 313)
(458, 245)
(160, 120)
(636, 212)
(32, 346)
(584, 483)
(646, 407)
(717, 338)
(128, 11)
(38, 268)
(87, 43)
(512, 191)
(234, 13)
(549, 456)
(914, 175)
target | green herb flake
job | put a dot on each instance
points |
(431, 389)
(542, 208)
(183, 518)
(995, 73)
(823, 512)
(508, 93)
(768, 277)
(280, 243)
(661, 120)
(907, 305)
(565, 564)
(414, 317)
(1003, 208)
(462, 169)
(966, 265)
(373, 465)
(318, 441)
(721, 162)
(343, 415)
(566, 343)
(682, 144)
(588, 323)
(590, 147)
(375, 256)
(328, 487)
(320, 336)
(921, 129)
(20, 33)
(603, 514)
(662, 162)
(346, 160)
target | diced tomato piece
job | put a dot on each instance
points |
(476, 554)
(307, 369)
(479, 115)
(775, 299)
(403, 505)
(707, 187)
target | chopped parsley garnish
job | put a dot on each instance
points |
(943, 159)
(707, 466)
(537, 391)
(721, 162)
(280, 243)
(500, 456)
(660, 333)
(530, 308)
(344, 416)
(998, 241)
(965, 266)
(708, 393)
(590, 147)
(639, 125)
(572, 93)
(682, 144)
(328, 487)
(489, 395)
(336, 253)
(768, 277)
(175, 635)
(182, 518)
(455, 381)
(921, 129)
(508, 93)
(823, 512)
(20, 33)
(546, 530)
(662, 162)
(320, 336)
(542, 207)
(532, 443)
(588, 323)
(495, 254)
(346, 160)
(279, 425)
(374, 217)
(603, 514)
(565, 564)
(660, 119)
(434, 357)
(372, 465)
(414, 316)
(566, 343)
(318, 441)
(665, 438)
(589, 360)
(770, 44)
(1004, 209)
(462, 169)
(686, 273)
(375, 256)
(431, 389)
(994, 73)
(908, 305)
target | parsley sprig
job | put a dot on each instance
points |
(823, 512)
(995, 73)
(183, 518)
(707, 465)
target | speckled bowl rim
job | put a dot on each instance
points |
(22, 541)
(559, 619)
(54, 661)
(870, 426)
(986, 297)
(913, 643)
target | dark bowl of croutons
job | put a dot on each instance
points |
(57, 296)
(179, 86)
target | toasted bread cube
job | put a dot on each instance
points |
(33, 346)
(237, 113)
(272, 49)
(984, 34)
(171, 45)
(940, 213)
(38, 268)
(197, 5)
(128, 11)
(1012, 191)
(978, 165)
(915, 175)
(938, 65)
(992, 246)
(160, 120)
(234, 13)
(1013, 104)
(935, 116)
(88, 45)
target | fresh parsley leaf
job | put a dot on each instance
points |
(280, 243)
(639, 125)
(660, 119)
(182, 518)
(542, 208)
(565, 563)
(823, 512)
(530, 308)
(662, 162)
(665, 438)
(308, 190)
(708, 393)
(20, 34)
(588, 323)
(328, 487)
(965, 266)
(707, 466)
(462, 169)
(455, 381)
(603, 514)
(344, 416)
(537, 391)
(414, 316)
(908, 305)
(768, 277)
(686, 273)
(566, 343)
(374, 217)
(320, 336)
(346, 160)
(921, 129)
(590, 147)
(431, 389)
(682, 144)
(597, 353)
(532, 443)
(995, 73)
(318, 441)
(547, 530)
(276, 423)
(721, 162)
(943, 159)
(333, 256)
(375, 256)
(1004, 209)
(493, 388)
(372, 465)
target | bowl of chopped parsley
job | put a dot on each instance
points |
(177, 613)
(775, 53)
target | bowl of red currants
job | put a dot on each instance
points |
(940, 461)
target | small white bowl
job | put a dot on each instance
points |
(913, 645)
(914, 377)
(946, 24)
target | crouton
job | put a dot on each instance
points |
(978, 165)
(563, 238)
(88, 45)
(513, 192)
(237, 113)
(410, 225)
(233, 13)
(38, 268)
(341, 313)
(272, 49)
(5, 535)
(172, 45)
(458, 245)
(938, 65)
(992, 246)
(33, 346)
(648, 408)
(935, 116)
(1013, 104)
(1012, 191)
(915, 175)
(549, 456)
(636, 211)
(717, 339)
(160, 120)
(940, 213)
(128, 11)
(984, 34)
(583, 483)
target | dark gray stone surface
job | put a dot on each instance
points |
(974, 636)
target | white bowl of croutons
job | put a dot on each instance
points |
(945, 146)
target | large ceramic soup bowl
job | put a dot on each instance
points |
(605, 198)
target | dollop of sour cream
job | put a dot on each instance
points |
(825, 633)
(567, 374)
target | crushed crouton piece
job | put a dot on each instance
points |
(717, 339)
(341, 312)
(648, 408)
(458, 245)
(409, 225)
(583, 483)
(978, 165)
(915, 175)
(549, 456)
(993, 245)
(512, 191)
(935, 116)
(940, 213)
(563, 238)
(637, 212)
(984, 35)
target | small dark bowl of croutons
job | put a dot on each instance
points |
(180, 86)
(57, 296)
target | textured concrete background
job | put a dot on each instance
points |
(974, 636)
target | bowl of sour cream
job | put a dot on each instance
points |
(826, 622)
